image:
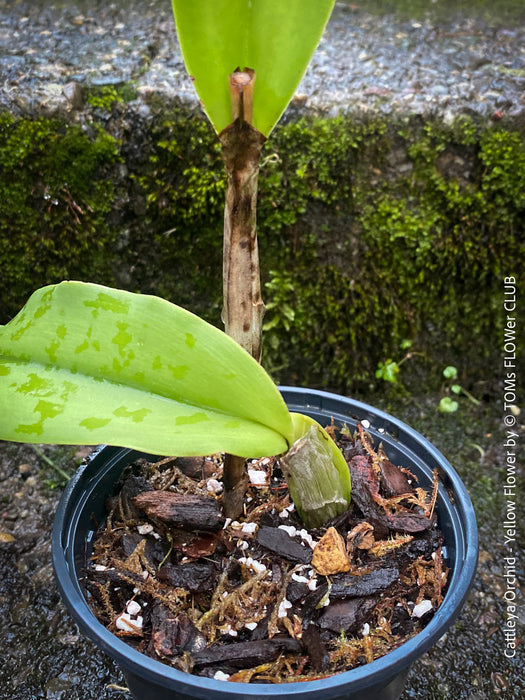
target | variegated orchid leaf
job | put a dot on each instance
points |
(85, 364)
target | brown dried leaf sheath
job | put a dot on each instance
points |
(243, 307)
(330, 555)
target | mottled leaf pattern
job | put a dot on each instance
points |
(85, 364)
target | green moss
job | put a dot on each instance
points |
(418, 255)
(106, 96)
(371, 232)
(56, 194)
(503, 12)
(180, 186)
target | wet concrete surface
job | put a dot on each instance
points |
(364, 62)
(44, 656)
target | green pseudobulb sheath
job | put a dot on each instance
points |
(317, 473)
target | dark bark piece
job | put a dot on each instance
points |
(195, 576)
(246, 654)
(191, 466)
(296, 591)
(393, 480)
(185, 511)
(315, 648)
(134, 485)
(347, 615)
(104, 576)
(173, 634)
(408, 522)
(261, 631)
(308, 609)
(115, 578)
(352, 448)
(364, 488)
(423, 546)
(348, 586)
(280, 542)
(365, 493)
(401, 623)
(130, 542)
(117, 593)
(203, 546)
(154, 550)
(270, 519)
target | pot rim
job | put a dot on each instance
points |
(303, 400)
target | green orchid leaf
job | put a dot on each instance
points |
(274, 38)
(317, 473)
(85, 364)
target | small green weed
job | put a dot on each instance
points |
(448, 403)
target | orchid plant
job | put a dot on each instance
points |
(85, 364)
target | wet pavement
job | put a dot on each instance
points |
(364, 63)
(44, 656)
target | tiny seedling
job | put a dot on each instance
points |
(389, 370)
(447, 403)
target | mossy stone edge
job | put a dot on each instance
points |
(373, 230)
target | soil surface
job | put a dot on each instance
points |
(261, 599)
(462, 62)
(45, 657)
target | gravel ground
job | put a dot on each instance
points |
(364, 62)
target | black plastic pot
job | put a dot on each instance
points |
(83, 504)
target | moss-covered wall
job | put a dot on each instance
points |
(494, 13)
(57, 186)
(372, 231)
